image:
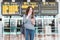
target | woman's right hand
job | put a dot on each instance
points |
(28, 15)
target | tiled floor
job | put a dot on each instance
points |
(21, 37)
(1, 37)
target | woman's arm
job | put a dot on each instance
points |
(25, 18)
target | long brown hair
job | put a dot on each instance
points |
(28, 11)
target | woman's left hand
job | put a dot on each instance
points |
(33, 21)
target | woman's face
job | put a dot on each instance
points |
(30, 10)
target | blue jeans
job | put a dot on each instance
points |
(29, 34)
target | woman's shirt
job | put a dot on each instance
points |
(27, 23)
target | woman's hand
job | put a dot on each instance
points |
(33, 21)
(28, 15)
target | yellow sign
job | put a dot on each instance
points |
(26, 4)
(10, 8)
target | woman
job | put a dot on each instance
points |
(29, 22)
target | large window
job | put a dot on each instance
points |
(6, 25)
(39, 27)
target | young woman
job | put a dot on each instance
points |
(29, 22)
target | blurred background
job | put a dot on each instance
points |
(47, 19)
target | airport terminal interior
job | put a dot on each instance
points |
(47, 19)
